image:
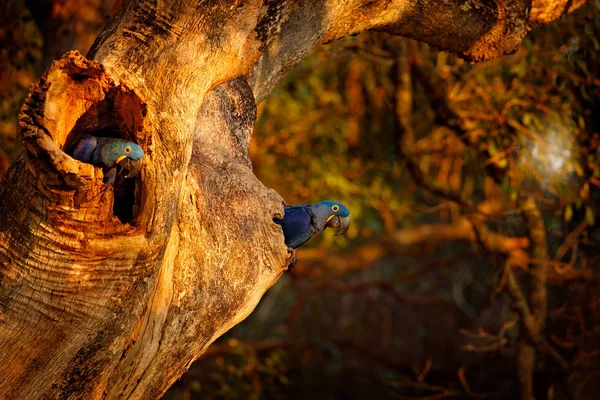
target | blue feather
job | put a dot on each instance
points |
(84, 151)
(300, 223)
(107, 153)
(296, 226)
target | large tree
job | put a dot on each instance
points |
(110, 293)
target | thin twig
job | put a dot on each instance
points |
(527, 320)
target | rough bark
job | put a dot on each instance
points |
(4, 163)
(546, 11)
(108, 294)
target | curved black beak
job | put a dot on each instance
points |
(343, 223)
(132, 166)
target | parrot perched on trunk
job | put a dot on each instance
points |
(300, 223)
(109, 154)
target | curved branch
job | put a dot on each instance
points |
(546, 11)
(476, 30)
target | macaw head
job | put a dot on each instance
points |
(127, 155)
(336, 215)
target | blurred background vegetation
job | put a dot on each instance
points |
(475, 195)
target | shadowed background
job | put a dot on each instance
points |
(435, 158)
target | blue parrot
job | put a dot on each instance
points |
(109, 154)
(300, 223)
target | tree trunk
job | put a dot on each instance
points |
(108, 294)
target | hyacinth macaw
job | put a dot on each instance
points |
(300, 223)
(110, 154)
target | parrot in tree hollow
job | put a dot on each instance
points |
(110, 154)
(300, 223)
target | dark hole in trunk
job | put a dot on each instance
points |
(104, 119)
(125, 199)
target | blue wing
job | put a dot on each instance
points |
(296, 225)
(89, 150)
(85, 149)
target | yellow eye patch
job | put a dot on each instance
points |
(127, 149)
(335, 208)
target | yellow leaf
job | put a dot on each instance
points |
(584, 193)
(589, 216)
(578, 169)
(568, 213)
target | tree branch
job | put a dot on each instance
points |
(546, 11)
(537, 232)
(463, 229)
(528, 322)
(532, 320)
(435, 89)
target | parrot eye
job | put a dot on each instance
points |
(127, 149)
(335, 208)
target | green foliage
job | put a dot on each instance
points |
(238, 372)
(20, 58)
(310, 145)
(329, 130)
